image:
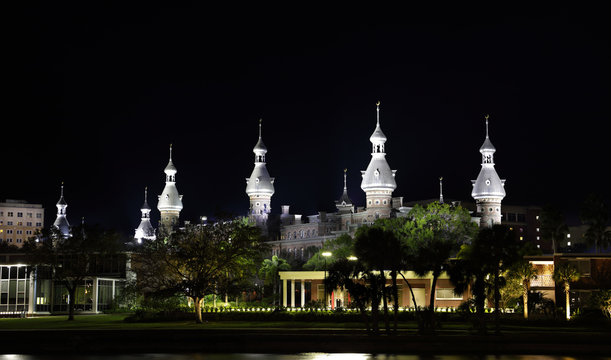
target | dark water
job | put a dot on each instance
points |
(304, 356)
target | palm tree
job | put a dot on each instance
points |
(565, 273)
(553, 225)
(525, 272)
(594, 212)
(269, 271)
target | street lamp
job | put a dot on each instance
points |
(352, 258)
(326, 254)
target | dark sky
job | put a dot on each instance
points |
(97, 94)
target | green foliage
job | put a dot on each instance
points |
(200, 260)
(72, 259)
(566, 273)
(602, 300)
(340, 248)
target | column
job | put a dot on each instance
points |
(284, 292)
(95, 296)
(292, 293)
(302, 293)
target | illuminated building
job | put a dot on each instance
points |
(170, 202)
(19, 220)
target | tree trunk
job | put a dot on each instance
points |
(375, 305)
(567, 289)
(198, 309)
(525, 299)
(409, 286)
(497, 310)
(385, 303)
(430, 317)
(72, 295)
(395, 294)
(480, 298)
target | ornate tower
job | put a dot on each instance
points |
(61, 223)
(145, 229)
(378, 180)
(488, 189)
(170, 202)
(260, 187)
(344, 204)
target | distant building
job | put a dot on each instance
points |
(20, 220)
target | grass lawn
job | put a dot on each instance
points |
(115, 321)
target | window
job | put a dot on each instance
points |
(38, 215)
(29, 223)
(511, 217)
(9, 223)
(521, 218)
(19, 223)
(9, 231)
(9, 240)
(19, 232)
(38, 224)
(28, 232)
(29, 215)
(446, 294)
(19, 214)
(9, 214)
(19, 241)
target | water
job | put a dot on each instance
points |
(304, 356)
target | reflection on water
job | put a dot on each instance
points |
(304, 356)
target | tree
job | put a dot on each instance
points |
(72, 259)
(566, 273)
(553, 225)
(340, 248)
(352, 276)
(524, 272)
(200, 260)
(434, 234)
(594, 213)
(379, 250)
(269, 272)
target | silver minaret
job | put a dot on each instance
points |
(488, 189)
(260, 187)
(145, 230)
(378, 180)
(61, 223)
(170, 202)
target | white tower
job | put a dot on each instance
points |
(170, 202)
(488, 189)
(61, 223)
(344, 204)
(378, 180)
(145, 229)
(260, 187)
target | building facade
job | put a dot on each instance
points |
(19, 221)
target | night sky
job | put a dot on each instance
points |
(97, 94)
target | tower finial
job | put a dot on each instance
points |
(441, 190)
(62, 189)
(345, 171)
(260, 126)
(378, 111)
(170, 151)
(486, 117)
(146, 188)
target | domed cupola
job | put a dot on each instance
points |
(145, 230)
(61, 222)
(488, 189)
(170, 202)
(378, 180)
(260, 186)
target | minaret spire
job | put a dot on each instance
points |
(61, 223)
(378, 180)
(170, 202)
(344, 204)
(441, 190)
(145, 230)
(488, 189)
(345, 187)
(260, 186)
